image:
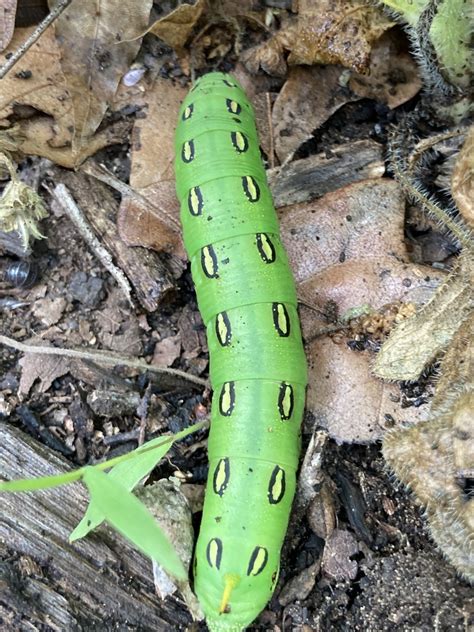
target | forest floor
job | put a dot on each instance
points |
(361, 558)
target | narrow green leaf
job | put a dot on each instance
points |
(123, 511)
(32, 484)
(129, 473)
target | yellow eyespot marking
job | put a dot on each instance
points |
(239, 141)
(281, 319)
(276, 486)
(223, 330)
(265, 247)
(187, 151)
(258, 561)
(214, 553)
(251, 188)
(221, 477)
(227, 399)
(286, 400)
(209, 262)
(188, 112)
(231, 580)
(233, 107)
(195, 201)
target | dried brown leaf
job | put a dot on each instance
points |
(337, 562)
(167, 351)
(7, 22)
(95, 56)
(176, 27)
(462, 182)
(393, 76)
(325, 32)
(44, 368)
(155, 224)
(358, 259)
(306, 101)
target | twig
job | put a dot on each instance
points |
(101, 357)
(100, 172)
(39, 30)
(75, 214)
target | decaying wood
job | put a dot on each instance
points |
(148, 274)
(99, 583)
(313, 177)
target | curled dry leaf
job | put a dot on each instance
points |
(434, 457)
(462, 181)
(95, 56)
(152, 218)
(359, 258)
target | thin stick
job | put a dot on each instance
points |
(75, 214)
(39, 30)
(100, 357)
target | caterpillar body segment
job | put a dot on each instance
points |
(247, 299)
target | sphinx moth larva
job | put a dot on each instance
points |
(247, 299)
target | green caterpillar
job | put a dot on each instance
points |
(247, 299)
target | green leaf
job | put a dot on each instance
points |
(32, 484)
(129, 473)
(132, 519)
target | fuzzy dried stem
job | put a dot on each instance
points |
(100, 357)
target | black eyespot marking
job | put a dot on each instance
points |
(240, 142)
(195, 201)
(286, 400)
(274, 578)
(233, 107)
(187, 151)
(258, 561)
(281, 319)
(276, 485)
(209, 262)
(251, 188)
(265, 247)
(214, 553)
(227, 399)
(223, 329)
(221, 476)
(188, 112)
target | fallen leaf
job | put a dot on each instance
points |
(7, 22)
(359, 258)
(167, 351)
(176, 27)
(326, 32)
(44, 368)
(151, 219)
(393, 76)
(94, 57)
(49, 310)
(306, 101)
